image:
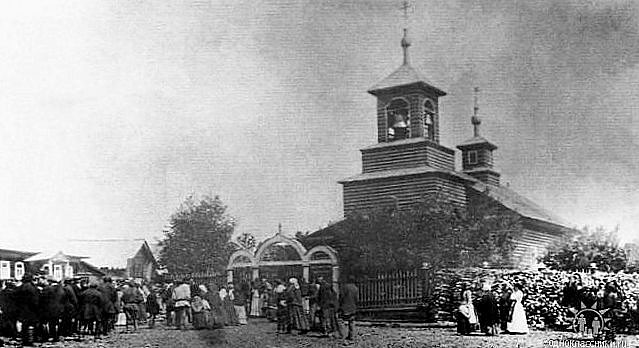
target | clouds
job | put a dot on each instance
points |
(112, 113)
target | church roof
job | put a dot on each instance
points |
(476, 140)
(518, 203)
(405, 75)
(394, 173)
(504, 195)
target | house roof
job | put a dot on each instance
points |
(109, 253)
(54, 256)
(14, 255)
(404, 75)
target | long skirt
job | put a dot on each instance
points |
(200, 320)
(329, 320)
(282, 319)
(229, 310)
(297, 318)
(256, 309)
(216, 318)
(518, 322)
(241, 314)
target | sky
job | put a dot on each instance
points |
(113, 112)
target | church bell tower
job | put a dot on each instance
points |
(408, 161)
(407, 104)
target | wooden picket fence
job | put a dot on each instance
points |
(394, 289)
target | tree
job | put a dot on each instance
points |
(580, 251)
(434, 232)
(246, 241)
(198, 238)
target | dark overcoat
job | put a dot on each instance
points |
(52, 302)
(27, 299)
(92, 304)
(349, 296)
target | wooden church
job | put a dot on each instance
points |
(409, 162)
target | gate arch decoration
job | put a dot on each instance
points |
(320, 256)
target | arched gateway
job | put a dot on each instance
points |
(281, 257)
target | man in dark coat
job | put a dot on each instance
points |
(8, 311)
(27, 300)
(487, 311)
(92, 308)
(110, 298)
(70, 304)
(51, 309)
(570, 296)
(131, 298)
(349, 296)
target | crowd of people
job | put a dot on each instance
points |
(41, 309)
(294, 306)
(490, 314)
(552, 299)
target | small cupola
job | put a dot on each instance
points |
(477, 152)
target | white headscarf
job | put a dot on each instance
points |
(294, 282)
(203, 288)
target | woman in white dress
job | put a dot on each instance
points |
(256, 309)
(517, 322)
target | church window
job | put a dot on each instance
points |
(429, 120)
(398, 119)
(472, 157)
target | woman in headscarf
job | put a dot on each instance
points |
(200, 308)
(256, 309)
(282, 310)
(216, 319)
(295, 307)
(227, 296)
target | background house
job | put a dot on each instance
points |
(62, 266)
(12, 265)
(120, 258)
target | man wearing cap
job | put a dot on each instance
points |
(52, 308)
(27, 297)
(131, 298)
(110, 297)
(70, 305)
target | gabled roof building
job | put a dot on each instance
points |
(409, 162)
